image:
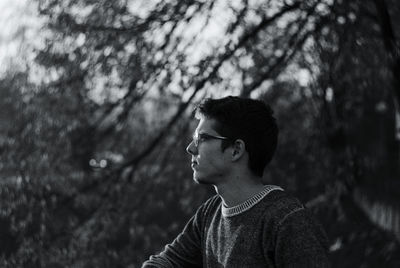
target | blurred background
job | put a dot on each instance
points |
(96, 101)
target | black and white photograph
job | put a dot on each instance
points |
(199, 133)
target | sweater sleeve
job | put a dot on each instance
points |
(300, 241)
(185, 250)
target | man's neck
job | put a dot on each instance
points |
(236, 192)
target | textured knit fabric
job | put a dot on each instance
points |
(271, 229)
(249, 203)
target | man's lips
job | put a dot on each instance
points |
(194, 164)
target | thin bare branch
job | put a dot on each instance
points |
(391, 44)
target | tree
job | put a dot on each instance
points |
(102, 137)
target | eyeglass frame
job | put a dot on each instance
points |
(196, 139)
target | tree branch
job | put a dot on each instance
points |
(391, 45)
(295, 45)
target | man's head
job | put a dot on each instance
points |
(248, 120)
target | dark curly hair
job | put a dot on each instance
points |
(249, 120)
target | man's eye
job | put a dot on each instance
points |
(202, 137)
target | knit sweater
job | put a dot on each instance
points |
(271, 229)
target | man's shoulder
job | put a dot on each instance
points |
(282, 199)
(279, 204)
(210, 205)
(213, 202)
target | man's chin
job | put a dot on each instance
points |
(200, 181)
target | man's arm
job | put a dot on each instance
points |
(300, 241)
(185, 250)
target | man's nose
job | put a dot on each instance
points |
(191, 148)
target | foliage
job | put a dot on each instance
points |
(94, 172)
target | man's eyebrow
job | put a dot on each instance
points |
(200, 132)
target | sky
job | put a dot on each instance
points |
(18, 23)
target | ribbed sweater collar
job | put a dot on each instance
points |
(249, 203)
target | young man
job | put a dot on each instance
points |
(247, 224)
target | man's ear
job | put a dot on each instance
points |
(238, 150)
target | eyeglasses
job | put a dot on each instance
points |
(200, 137)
